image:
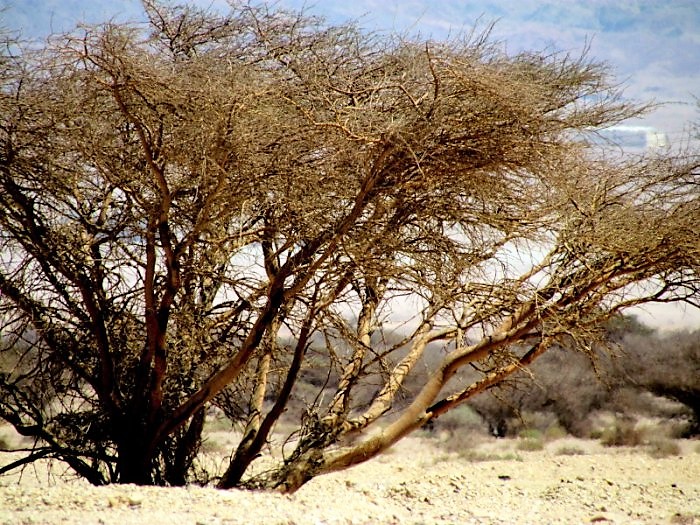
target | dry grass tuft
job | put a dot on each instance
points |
(663, 448)
(570, 450)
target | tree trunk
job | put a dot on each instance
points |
(307, 465)
(295, 474)
(248, 449)
(186, 451)
(135, 454)
(255, 438)
(134, 464)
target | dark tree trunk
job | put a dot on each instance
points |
(135, 462)
(244, 456)
(186, 451)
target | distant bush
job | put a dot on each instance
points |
(531, 444)
(554, 432)
(641, 374)
(622, 434)
(668, 367)
(461, 419)
(530, 433)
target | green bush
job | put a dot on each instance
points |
(530, 433)
(530, 444)
(554, 432)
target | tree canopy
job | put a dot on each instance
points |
(199, 210)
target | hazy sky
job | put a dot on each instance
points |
(653, 46)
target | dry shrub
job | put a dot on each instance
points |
(562, 393)
(667, 367)
(663, 448)
(570, 450)
(530, 439)
(680, 428)
(477, 456)
(459, 431)
(623, 433)
(530, 444)
(461, 420)
(647, 375)
(554, 432)
(461, 443)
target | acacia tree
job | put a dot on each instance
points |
(208, 205)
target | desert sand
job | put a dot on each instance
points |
(417, 482)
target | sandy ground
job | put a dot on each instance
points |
(417, 482)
